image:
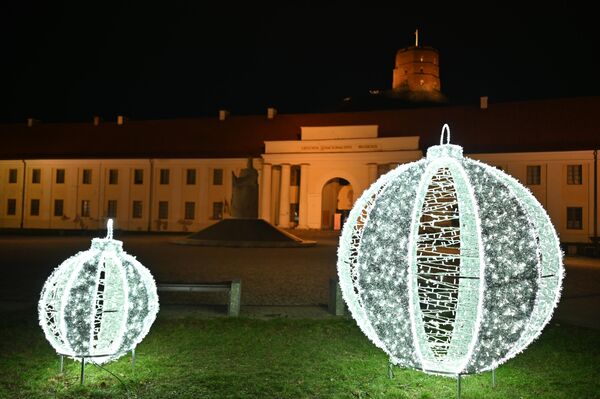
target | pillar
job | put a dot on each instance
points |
(303, 205)
(372, 172)
(265, 193)
(284, 196)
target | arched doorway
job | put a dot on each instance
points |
(337, 198)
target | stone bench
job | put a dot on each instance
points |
(336, 305)
(234, 288)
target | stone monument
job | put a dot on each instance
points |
(244, 197)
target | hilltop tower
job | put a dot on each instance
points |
(417, 72)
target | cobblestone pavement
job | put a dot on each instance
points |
(276, 282)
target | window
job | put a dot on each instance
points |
(138, 176)
(136, 210)
(36, 176)
(574, 218)
(60, 177)
(295, 176)
(11, 206)
(58, 207)
(113, 176)
(217, 210)
(190, 176)
(190, 210)
(87, 176)
(164, 176)
(163, 209)
(12, 175)
(85, 208)
(534, 175)
(217, 177)
(34, 209)
(111, 209)
(573, 174)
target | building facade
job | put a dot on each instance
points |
(176, 175)
(303, 184)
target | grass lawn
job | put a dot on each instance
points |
(283, 358)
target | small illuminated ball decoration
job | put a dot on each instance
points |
(98, 304)
(449, 265)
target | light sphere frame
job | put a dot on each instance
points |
(99, 304)
(449, 265)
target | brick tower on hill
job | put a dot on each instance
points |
(417, 73)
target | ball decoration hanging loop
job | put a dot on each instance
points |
(449, 265)
(99, 303)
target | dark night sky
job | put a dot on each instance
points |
(67, 63)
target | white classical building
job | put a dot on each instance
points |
(311, 167)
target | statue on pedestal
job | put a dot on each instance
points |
(244, 197)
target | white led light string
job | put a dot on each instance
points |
(99, 303)
(445, 297)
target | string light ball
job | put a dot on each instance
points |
(99, 303)
(449, 265)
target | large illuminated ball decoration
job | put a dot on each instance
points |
(449, 265)
(98, 304)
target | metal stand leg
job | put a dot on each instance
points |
(457, 386)
(390, 370)
(62, 364)
(493, 378)
(82, 370)
(133, 359)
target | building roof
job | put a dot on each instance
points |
(547, 125)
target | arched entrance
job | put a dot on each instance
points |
(337, 198)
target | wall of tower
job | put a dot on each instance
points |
(417, 69)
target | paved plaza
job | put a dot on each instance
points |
(276, 282)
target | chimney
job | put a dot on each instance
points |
(223, 114)
(483, 102)
(120, 120)
(31, 122)
(96, 120)
(271, 112)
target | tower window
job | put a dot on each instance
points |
(421, 70)
(421, 82)
(421, 58)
